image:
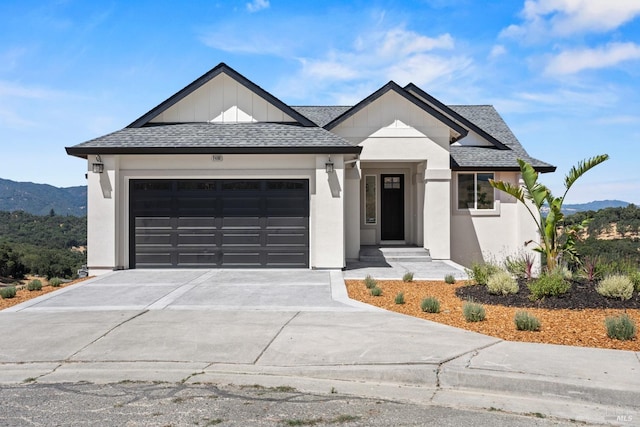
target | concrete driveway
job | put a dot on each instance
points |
(296, 328)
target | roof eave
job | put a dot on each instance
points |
(541, 169)
(83, 152)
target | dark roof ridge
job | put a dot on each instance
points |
(206, 77)
(458, 117)
(391, 85)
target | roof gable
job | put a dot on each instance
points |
(416, 91)
(192, 104)
(459, 130)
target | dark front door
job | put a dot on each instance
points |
(219, 223)
(392, 221)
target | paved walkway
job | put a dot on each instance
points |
(298, 328)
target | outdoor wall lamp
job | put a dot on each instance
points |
(97, 166)
(329, 165)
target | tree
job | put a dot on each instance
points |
(554, 242)
(10, 263)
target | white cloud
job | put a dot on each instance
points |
(497, 50)
(15, 90)
(257, 5)
(375, 57)
(545, 18)
(574, 61)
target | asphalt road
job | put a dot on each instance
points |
(165, 404)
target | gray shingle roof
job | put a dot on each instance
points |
(484, 116)
(321, 115)
(487, 118)
(219, 138)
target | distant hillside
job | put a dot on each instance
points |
(596, 205)
(593, 206)
(39, 199)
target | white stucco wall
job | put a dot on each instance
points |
(398, 137)
(352, 181)
(108, 229)
(481, 236)
(437, 212)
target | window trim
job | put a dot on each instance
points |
(495, 210)
(375, 200)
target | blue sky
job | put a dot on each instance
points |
(565, 74)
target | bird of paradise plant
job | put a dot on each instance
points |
(554, 243)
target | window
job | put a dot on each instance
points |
(475, 192)
(392, 182)
(370, 209)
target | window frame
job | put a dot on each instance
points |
(375, 200)
(475, 210)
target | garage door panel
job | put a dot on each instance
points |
(219, 223)
(153, 259)
(295, 259)
(153, 222)
(281, 206)
(187, 206)
(287, 222)
(197, 222)
(242, 206)
(200, 239)
(249, 222)
(241, 259)
(198, 259)
(241, 239)
(298, 240)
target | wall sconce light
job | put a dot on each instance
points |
(329, 165)
(97, 166)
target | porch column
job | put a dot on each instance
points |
(352, 211)
(437, 212)
(102, 211)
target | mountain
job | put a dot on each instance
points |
(39, 199)
(596, 205)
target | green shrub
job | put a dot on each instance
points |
(526, 322)
(430, 305)
(473, 312)
(520, 266)
(450, 279)
(634, 276)
(376, 291)
(549, 285)
(8, 292)
(408, 277)
(623, 266)
(501, 283)
(55, 282)
(615, 286)
(480, 272)
(34, 285)
(620, 328)
(370, 282)
(399, 298)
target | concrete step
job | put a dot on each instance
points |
(396, 254)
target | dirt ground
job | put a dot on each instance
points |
(23, 294)
(582, 327)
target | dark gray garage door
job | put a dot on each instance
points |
(219, 223)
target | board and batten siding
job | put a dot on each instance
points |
(222, 100)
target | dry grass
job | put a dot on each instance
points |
(584, 328)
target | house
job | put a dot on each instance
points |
(224, 174)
